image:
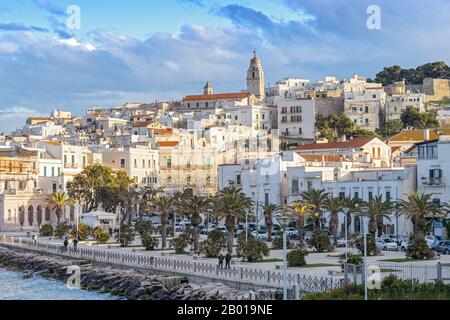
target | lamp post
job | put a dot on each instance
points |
(346, 210)
(364, 211)
(284, 222)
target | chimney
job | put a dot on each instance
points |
(426, 135)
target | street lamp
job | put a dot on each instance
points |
(345, 211)
(364, 211)
(284, 222)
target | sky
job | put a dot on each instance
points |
(142, 51)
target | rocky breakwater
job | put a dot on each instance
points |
(130, 284)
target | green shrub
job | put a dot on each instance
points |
(419, 249)
(83, 232)
(169, 231)
(296, 258)
(61, 231)
(253, 249)
(181, 243)
(213, 244)
(47, 230)
(142, 227)
(320, 241)
(277, 243)
(358, 242)
(101, 236)
(352, 258)
(149, 242)
(126, 235)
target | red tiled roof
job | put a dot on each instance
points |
(220, 96)
(324, 158)
(168, 143)
(141, 124)
(162, 130)
(355, 143)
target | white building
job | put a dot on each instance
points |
(296, 120)
(340, 177)
(397, 103)
(141, 163)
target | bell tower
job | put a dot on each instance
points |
(255, 77)
(208, 89)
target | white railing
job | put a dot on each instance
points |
(241, 274)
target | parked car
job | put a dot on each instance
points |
(341, 243)
(404, 245)
(291, 232)
(386, 244)
(431, 241)
(442, 247)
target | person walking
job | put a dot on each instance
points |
(33, 238)
(228, 258)
(221, 258)
(75, 244)
(66, 244)
(110, 232)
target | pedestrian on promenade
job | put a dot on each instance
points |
(228, 258)
(66, 244)
(221, 258)
(33, 238)
(110, 232)
(75, 244)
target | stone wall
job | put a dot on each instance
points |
(328, 106)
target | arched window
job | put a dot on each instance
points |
(22, 216)
(9, 215)
(30, 215)
(47, 214)
(39, 215)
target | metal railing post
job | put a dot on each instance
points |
(439, 271)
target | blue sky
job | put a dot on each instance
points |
(140, 50)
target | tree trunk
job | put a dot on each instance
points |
(195, 229)
(301, 227)
(349, 222)
(269, 233)
(58, 217)
(163, 236)
(230, 241)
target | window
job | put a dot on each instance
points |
(437, 202)
(284, 110)
(9, 215)
(435, 176)
(428, 151)
(208, 163)
(206, 104)
(65, 158)
(59, 171)
(169, 163)
(122, 163)
(53, 171)
(45, 171)
(198, 105)
(300, 131)
(135, 163)
(367, 109)
(238, 179)
(189, 105)
(188, 179)
(266, 199)
(73, 159)
(283, 119)
(388, 196)
(143, 163)
(370, 195)
(356, 195)
(341, 195)
(295, 189)
(54, 188)
(188, 163)
(169, 179)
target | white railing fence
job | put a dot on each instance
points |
(241, 274)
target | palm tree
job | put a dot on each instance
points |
(317, 199)
(301, 210)
(378, 210)
(268, 211)
(164, 205)
(57, 201)
(417, 208)
(334, 206)
(194, 207)
(353, 207)
(233, 206)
